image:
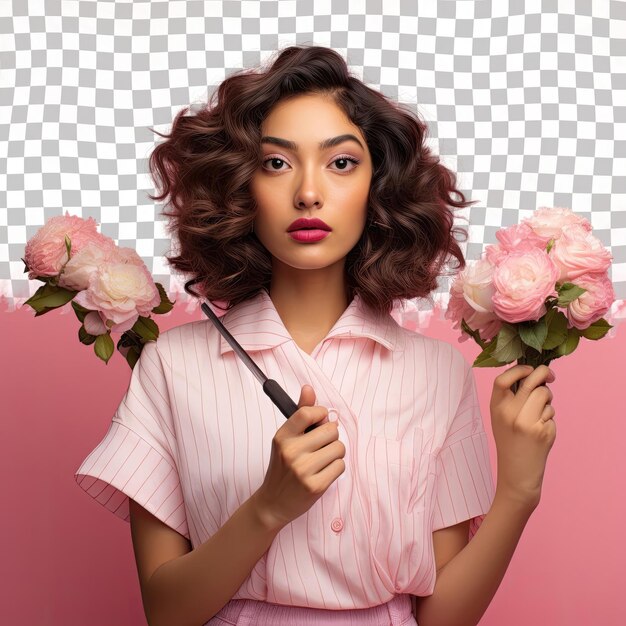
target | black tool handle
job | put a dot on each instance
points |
(280, 398)
(276, 393)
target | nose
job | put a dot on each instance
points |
(308, 194)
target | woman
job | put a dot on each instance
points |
(309, 203)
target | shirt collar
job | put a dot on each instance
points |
(256, 325)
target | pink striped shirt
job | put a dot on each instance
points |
(191, 441)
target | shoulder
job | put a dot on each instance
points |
(189, 331)
(183, 340)
(436, 353)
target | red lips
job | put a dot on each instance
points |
(303, 223)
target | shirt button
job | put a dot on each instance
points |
(333, 415)
(337, 524)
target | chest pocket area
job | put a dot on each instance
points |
(399, 481)
(398, 472)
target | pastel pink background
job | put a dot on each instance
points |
(67, 561)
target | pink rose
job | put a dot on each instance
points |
(471, 299)
(120, 291)
(551, 222)
(45, 252)
(594, 303)
(514, 239)
(77, 271)
(520, 235)
(495, 253)
(523, 281)
(579, 252)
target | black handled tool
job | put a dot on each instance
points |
(276, 393)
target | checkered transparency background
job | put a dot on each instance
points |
(526, 101)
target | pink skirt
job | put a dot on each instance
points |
(396, 612)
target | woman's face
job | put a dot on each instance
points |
(316, 165)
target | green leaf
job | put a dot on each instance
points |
(550, 315)
(549, 246)
(597, 330)
(81, 311)
(485, 358)
(68, 246)
(104, 347)
(509, 344)
(534, 334)
(85, 337)
(146, 328)
(570, 344)
(49, 297)
(557, 330)
(166, 304)
(568, 292)
(26, 268)
(486, 361)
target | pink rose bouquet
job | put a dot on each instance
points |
(534, 294)
(110, 288)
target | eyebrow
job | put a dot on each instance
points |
(327, 143)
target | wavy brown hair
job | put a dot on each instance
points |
(207, 161)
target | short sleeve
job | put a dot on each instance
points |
(464, 488)
(134, 459)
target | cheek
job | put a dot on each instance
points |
(267, 225)
(359, 201)
(261, 185)
(358, 193)
(353, 198)
(265, 198)
(256, 190)
(262, 228)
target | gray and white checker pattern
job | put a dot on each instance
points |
(525, 100)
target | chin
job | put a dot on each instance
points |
(308, 264)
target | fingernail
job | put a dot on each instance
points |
(333, 415)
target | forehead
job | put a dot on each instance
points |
(295, 114)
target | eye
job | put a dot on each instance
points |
(276, 163)
(343, 163)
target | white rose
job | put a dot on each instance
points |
(478, 289)
(83, 264)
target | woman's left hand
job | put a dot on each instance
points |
(524, 431)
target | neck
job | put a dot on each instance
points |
(309, 302)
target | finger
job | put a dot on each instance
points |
(330, 473)
(307, 396)
(319, 437)
(303, 418)
(325, 456)
(502, 383)
(535, 405)
(541, 395)
(548, 413)
(538, 376)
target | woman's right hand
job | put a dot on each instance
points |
(524, 431)
(302, 465)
